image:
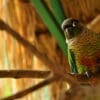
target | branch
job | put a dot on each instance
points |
(24, 74)
(56, 68)
(31, 89)
(28, 45)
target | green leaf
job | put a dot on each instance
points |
(52, 24)
(57, 10)
(72, 61)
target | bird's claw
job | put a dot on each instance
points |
(88, 74)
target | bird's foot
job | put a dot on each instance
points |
(88, 74)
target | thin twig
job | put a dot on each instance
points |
(31, 89)
(24, 74)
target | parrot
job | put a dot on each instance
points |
(83, 47)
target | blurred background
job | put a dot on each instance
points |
(22, 16)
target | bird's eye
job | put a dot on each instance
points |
(74, 24)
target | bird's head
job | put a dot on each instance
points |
(71, 28)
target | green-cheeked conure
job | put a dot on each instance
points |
(83, 47)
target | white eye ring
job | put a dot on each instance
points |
(74, 24)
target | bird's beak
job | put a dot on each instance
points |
(66, 40)
(66, 33)
(66, 30)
